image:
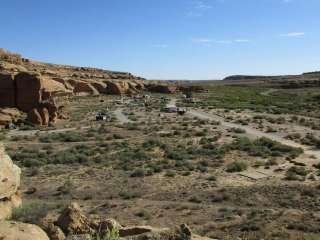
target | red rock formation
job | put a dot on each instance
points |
(9, 115)
(83, 88)
(34, 117)
(162, 88)
(114, 88)
(7, 90)
(45, 117)
(28, 91)
(100, 86)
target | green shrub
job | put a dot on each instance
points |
(63, 137)
(33, 212)
(296, 174)
(139, 172)
(170, 173)
(237, 166)
(238, 130)
(264, 147)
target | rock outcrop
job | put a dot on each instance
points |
(9, 199)
(30, 93)
(9, 185)
(26, 85)
(7, 90)
(72, 220)
(9, 115)
(29, 89)
(75, 225)
(162, 88)
(21, 231)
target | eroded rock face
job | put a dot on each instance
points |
(162, 88)
(28, 90)
(114, 88)
(7, 90)
(83, 88)
(21, 231)
(9, 184)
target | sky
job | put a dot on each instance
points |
(168, 39)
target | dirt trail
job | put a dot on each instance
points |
(253, 132)
(121, 117)
(30, 133)
(268, 92)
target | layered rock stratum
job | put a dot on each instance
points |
(32, 86)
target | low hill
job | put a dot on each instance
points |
(310, 79)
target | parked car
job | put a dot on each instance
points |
(182, 111)
(100, 116)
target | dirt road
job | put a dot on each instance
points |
(121, 117)
(253, 132)
(30, 133)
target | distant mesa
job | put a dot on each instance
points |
(309, 79)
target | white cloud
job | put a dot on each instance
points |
(293, 34)
(201, 40)
(224, 41)
(209, 41)
(202, 5)
(242, 40)
(198, 8)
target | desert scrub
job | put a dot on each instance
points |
(139, 172)
(236, 166)
(311, 140)
(63, 137)
(264, 147)
(33, 212)
(29, 157)
(238, 130)
(296, 174)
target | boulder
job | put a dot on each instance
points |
(106, 225)
(45, 117)
(9, 184)
(9, 175)
(52, 109)
(7, 90)
(9, 115)
(21, 231)
(5, 119)
(34, 117)
(72, 220)
(53, 231)
(134, 230)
